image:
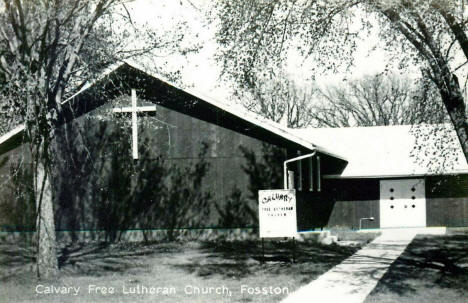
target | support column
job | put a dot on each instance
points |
(311, 174)
(319, 177)
(290, 179)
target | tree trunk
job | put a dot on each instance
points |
(455, 105)
(461, 127)
(47, 266)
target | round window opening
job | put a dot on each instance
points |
(391, 198)
(391, 190)
(413, 189)
(413, 206)
(413, 197)
(391, 206)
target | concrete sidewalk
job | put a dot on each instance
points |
(354, 278)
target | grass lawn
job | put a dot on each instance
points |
(176, 268)
(431, 269)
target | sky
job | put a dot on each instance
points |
(199, 70)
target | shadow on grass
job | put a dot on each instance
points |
(240, 259)
(103, 258)
(90, 259)
(16, 260)
(428, 261)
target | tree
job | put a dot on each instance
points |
(369, 101)
(256, 35)
(281, 100)
(48, 51)
(41, 47)
(377, 100)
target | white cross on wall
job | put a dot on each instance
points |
(134, 109)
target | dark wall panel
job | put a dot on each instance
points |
(355, 199)
(178, 140)
(447, 212)
(348, 213)
(340, 203)
(313, 209)
(447, 200)
(447, 186)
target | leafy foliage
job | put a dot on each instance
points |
(17, 207)
(436, 147)
(236, 211)
(263, 175)
(257, 35)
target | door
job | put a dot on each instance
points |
(402, 203)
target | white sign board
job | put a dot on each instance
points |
(277, 213)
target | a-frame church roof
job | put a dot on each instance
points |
(156, 89)
(370, 152)
(384, 151)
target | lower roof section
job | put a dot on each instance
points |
(392, 151)
(400, 176)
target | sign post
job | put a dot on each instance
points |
(277, 214)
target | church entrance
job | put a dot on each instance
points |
(402, 203)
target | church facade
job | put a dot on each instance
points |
(201, 162)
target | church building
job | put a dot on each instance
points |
(189, 161)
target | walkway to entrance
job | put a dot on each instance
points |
(354, 279)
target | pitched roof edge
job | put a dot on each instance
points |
(248, 116)
(12, 133)
(244, 114)
(21, 128)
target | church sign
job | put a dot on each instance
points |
(277, 213)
